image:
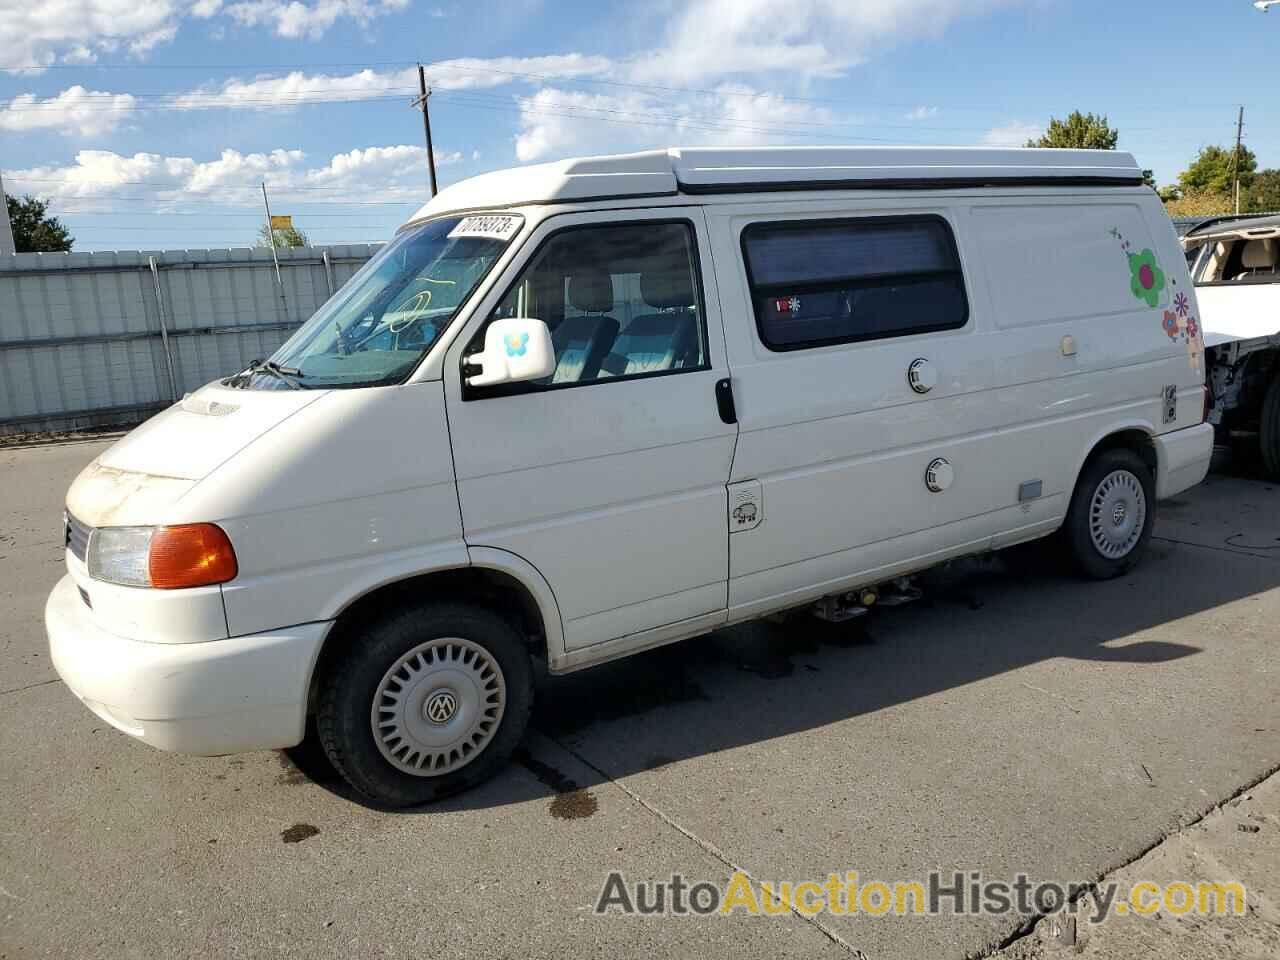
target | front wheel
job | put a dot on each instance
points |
(1269, 429)
(425, 702)
(1109, 521)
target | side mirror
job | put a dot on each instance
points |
(515, 349)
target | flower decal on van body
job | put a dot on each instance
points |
(1170, 324)
(1146, 278)
(517, 343)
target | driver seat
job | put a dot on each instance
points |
(582, 342)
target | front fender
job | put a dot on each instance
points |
(520, 569)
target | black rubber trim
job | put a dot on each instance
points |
(724, 401)
(907, 183)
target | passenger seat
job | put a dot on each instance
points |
(659, 341)
(1258, 257)
(582, 342)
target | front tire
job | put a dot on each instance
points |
(1269, 429)
(425, 702)
(1112, 509)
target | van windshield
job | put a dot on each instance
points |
(387, 316)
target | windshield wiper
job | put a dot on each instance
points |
(289, 375)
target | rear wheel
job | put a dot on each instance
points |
(1269, 433)
(1109, 520)
(425, 702)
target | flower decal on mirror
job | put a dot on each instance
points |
(1146, 278)
(517, 343)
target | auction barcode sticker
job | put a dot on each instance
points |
(493, 227)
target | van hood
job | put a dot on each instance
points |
(193, 437)
(147, 471)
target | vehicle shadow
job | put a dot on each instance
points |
(978, 618)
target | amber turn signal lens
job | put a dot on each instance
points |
(191, 555)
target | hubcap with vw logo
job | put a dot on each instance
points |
(1117, 514)
(438, 706)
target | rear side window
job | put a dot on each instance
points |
(820, 282)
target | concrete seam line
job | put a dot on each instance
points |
(31, 686)
(708, 847)
(1204, 546)
(1027, 927)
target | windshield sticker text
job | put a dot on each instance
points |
(502, 227)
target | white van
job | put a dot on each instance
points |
(577, 410)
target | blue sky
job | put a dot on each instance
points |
(151, 123)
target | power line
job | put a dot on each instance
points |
(63, 211)
(445, 67)
(529, 76)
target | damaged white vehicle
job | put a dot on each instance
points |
(1235, 263)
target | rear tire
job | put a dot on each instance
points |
(1112, 509)
(425, 702)
(1269, 432)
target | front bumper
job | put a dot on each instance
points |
(1183, 458)
(209, 698)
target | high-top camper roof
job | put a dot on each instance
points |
(703, 170)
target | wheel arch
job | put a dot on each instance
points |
(496, 579)
(1135, 435)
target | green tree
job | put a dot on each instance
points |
(1211, 171)
(289, 237)
(1264, 192)
(33, 230)
(1199, 203)
(1083, 131)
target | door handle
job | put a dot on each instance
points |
(724, 401)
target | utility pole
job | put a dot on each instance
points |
(271, 235)
(6, 228)
(1235, 165)
(426, 124)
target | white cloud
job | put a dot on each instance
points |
(272, 93)
(389, 167)
(395, 172)
(291, 18)
(38, 33)
(800, 38)
(783, 43)
(34, 34)
(468, 73)
(557, 123)
(1013, 134)
(76, 110)
(79, 54)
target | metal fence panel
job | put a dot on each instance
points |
(91, 339)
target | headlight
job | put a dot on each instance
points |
(120, 555)
(167, 558)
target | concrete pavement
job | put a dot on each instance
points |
(1013, 721)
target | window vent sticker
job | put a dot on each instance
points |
(494, 227)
